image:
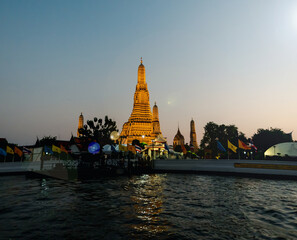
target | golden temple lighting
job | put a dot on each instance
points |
(142, 124)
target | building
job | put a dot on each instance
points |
(286, 149)
(80, 124)
(156, 123)
(178, 139)
(193, 137)
(142, 124)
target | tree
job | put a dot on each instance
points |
(48, 141)
(178, 148)
(187, 147)
(96, 130)
(214, 132)
(265, 138)
(136, 142)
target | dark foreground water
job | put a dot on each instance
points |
(159, 206)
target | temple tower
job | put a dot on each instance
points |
(139, 125)
(193, 137)
(80, 124)
(156, 123)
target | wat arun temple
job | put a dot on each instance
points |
(142, 125)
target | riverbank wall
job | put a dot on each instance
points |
(257, 168)
(253, 168)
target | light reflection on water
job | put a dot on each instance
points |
(147, 196)
(158, 206)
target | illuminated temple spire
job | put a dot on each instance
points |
(193, 137)
(156, 123)
(80, 124)
(140, 123)
(141, 108)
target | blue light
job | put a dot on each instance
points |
(94, 147)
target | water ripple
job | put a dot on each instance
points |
(157, 206)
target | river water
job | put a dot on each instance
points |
(157, 206)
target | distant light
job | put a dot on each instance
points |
(171, 101)
(143, 136)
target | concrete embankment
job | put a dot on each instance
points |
(256, 168)
(253, 168)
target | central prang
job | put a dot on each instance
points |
(142, 124)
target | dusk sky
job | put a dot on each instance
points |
(230, 62)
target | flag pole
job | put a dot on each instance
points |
(41, 158)
(228, 148)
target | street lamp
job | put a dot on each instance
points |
(274, 150)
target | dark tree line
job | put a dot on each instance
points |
(263, 139)
(266, 138)
(99, 130)
(222, 133)
(46, 140)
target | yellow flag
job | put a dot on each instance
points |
(9, 150)
(56, 149)
(131, 148)
(123, 148)
(232, 147)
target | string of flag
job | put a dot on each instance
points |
(132, 148)
(234, 148)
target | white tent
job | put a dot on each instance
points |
(36, 153)
(107, 148)
(282, 150)
(74, 149)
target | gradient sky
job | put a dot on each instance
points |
(230, 62)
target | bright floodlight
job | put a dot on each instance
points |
(114, 135)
